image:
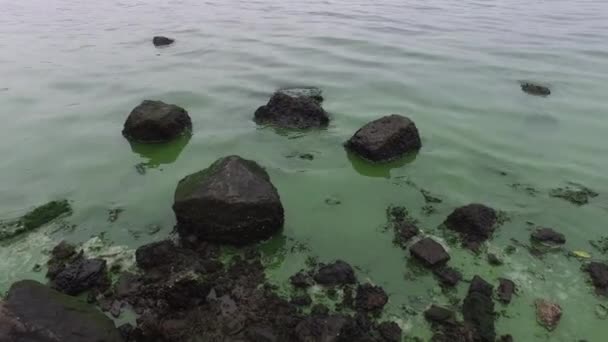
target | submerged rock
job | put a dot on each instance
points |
(162, 41)
(548, 314)
(548, 235)
(156, 121)
(430, 253)
(370, 298)
(337, 273)
(478, 309)
(535, 89)
(438, 314)
(286, 111)
(447, 276)
(34, 312)
(579, 195)
(494, 260)
(36, 218)
(506, 290)
(232, 201)
(599, 276)
(474, 222)
(385, 139)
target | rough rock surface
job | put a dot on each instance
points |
(535, 89)
(548, 235)
(599, 276)
(291, 112)
(336, 273)
(36, 313)
(474, 222)
(447, 276)
(430, 253)
(478, 309)
(162, 41)
(385, 139)
(506, 290)
(370, 298)
(82, 275)
(301, 280)
(232, 201)
(548, 314)
(156, 121)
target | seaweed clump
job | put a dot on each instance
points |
(34, 219)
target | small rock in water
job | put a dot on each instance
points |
(337, 273)
(162, 41)
(474, 222)
(506, 290)
(579, 195)
(598, 272)
(306, 156)
(285, 111)
(332, 201)
(155, 122)
(548, 314)
(448, 276)
(494, 260)
(370, 298)
(81, 275)
(386, 139)
(535, 89)
(430, 253)
(548, 235)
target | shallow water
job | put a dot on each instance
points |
(72, 71)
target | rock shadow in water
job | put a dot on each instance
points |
(365, 168)
(159, 154)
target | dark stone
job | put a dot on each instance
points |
(448, 276)
(232, 201)
(36, 313)
(370, 298)
(385, 139)
(474, 222)
(292, 112)
(306, 156)
(548, 235)
(82, 275)
(127, 285)
(301, 280)
(494, 260)
(506, 290)
(599, 276)
(155, 254)
(326, 329)
(162, 41)
(125, 331)
(478, 309)
(390, 331)
(302, 300)
(63, 250)
(337, 273)
(535, 89)
(404, 232)
(156, 121)
(440, 315)
(430, 253)
(548, 314)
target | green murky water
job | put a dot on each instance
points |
(72, 71)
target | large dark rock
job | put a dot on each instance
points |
(370, 298)
(82, 275)
(162, 41)
(35, 313)
(430, 253)
(232, 201)
(337, 273)
(287, 111)
(478, 309)
(506, 290)
(535, 89)
(156, 254)
(474, 222)
(385, 139)
(548, 235)
(599, 276)
(156, 121)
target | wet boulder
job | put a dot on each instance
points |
(548, 314)
(386, 139)
(390, 331)
(337, 273)
(430, 253)
(285, 111)
(599, 276)
(162, 41)
(156, 121)
(370, 298)
(548, 236)
(474, 222)
(447, 276)
(478, 309)
(81, 275)
(506, 290)
(535, 89)
(232, 201)
(34, 312)
(156, 254)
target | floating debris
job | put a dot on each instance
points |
(159, 41)
(535, 89)
(114, 213)
(528, 189)
(332, 201)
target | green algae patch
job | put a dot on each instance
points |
(34, 219)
